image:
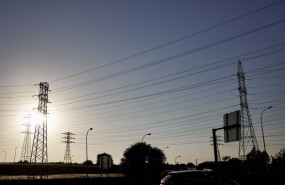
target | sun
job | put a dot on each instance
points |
(37, 118)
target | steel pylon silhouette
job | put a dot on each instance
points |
(248, 140)
(39, 154)
(67, 139)
(26, 148)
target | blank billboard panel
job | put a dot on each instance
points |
(232, 127)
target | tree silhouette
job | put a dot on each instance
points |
(88, 162)
(142, 159)
(190, 165)
(256, 159)
(278, 163)
(234, 165)
(280, 156)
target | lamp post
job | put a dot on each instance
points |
(86, 144)
(263, 137)
(144, 157)
(148, 134)
(176, 158)
(145, 135)
(15, 154)
(87, 150)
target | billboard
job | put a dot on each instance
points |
(105, 162)
(232, 128)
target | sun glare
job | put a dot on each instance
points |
(37, 118)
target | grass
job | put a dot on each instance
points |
(61, 176)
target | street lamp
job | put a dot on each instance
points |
(176, 158)
(86, 144)
(263, 137)
(5, 155)
(146, 135)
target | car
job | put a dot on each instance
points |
(195, 177)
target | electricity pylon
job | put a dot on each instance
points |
(26, 148)
(247, 131)
(39, 154)
(67, 139)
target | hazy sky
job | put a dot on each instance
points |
(128, 68)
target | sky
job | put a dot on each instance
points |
(128, 68)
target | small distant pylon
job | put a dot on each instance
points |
(26, 148)
(39, 154)
(67, 140)
(247, 131)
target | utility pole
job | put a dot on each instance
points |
(26, 148)
(248, 138)
(215, 147)
(67, 140)
(39, 154)
(217, 139)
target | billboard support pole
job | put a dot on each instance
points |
(215, 140)
(215, 147)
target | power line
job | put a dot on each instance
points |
(172, 57)
(210, 82)
(138, 127)
(183, 117)
(171, 42)
(181, 72)
(150, 85)
(161, 125)
(183, 108)
(154, 94)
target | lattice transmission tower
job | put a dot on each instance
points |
(39, 154)
(26, 148)
(248, 140)
(67, 139)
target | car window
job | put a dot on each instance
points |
(199, 178)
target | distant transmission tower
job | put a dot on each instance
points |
(67, 139)
(26, 148)
(39, 154)
(248, 140)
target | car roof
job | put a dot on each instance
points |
(187, 171)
